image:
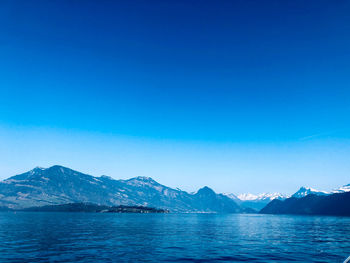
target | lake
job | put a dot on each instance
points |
(92, 237)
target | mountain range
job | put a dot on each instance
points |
(331, 204)
(61, 185)
(304, 191)
(256, 202)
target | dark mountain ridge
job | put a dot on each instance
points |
(337, 204)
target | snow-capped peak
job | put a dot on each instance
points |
(304, 191)
(232, 196)
(343, 189)
(263, 196)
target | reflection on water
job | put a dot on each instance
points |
(89, 237)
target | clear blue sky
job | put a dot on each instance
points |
(243, 96)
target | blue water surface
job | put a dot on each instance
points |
(94, 237)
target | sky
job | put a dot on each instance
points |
(242, 96)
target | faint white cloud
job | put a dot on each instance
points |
(321, 134)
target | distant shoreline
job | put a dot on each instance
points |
(88, 208)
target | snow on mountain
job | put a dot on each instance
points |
(255, 202)
(232, 196)
(304, 191)
(263, 196)
(343, 189)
